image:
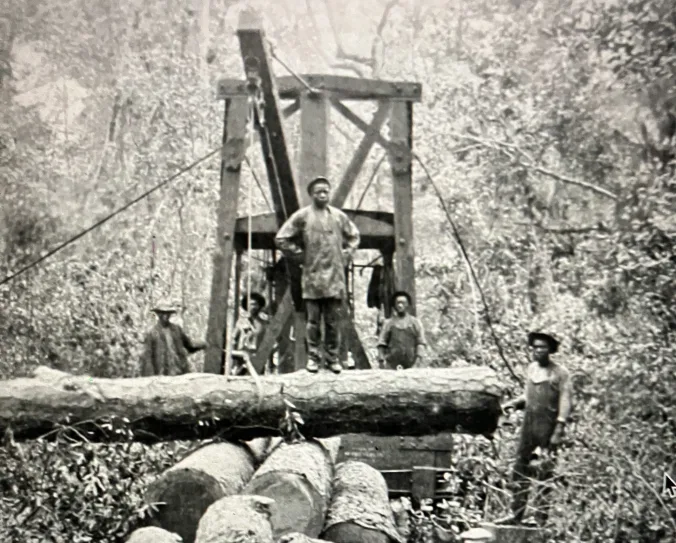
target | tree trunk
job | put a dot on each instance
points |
(360, 507)
(185, 491)
(153, 535)
(200, 406)
(298, 477)
(236, 519)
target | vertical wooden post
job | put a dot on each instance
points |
(401, 127)
(314, 122)
(314, 141)
(234, 141)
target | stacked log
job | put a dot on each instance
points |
(360, 507)
(184, 492)
(152, 534)
(298, 478)
(200, 406)
(237, 519)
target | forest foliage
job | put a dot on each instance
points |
(548, 126)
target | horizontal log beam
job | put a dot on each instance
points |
(376, 229)
(341, 87)
(199, 406)
(370, 223)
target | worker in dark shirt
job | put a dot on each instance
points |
(166, 346)
(547, 402)
(402, 339)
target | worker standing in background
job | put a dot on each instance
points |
(324, 239)
(547, 401)
(249, 332)
(402, 339)
(166, 346)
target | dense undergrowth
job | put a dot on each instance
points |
(548, 127)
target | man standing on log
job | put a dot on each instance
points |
(324, 240)
(547, 402)
(249, 331)
(402, 339)
(166, 346)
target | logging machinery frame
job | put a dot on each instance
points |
(314, 96)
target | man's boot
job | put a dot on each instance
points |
(336, 367)
(312, 366)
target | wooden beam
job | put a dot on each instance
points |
(234, 141)
(314, 144)
(362, 152)
(341, 87)
(257, 66)
(361, 359)
(401, 129)
(313, 161)
(370, 223)
(291, 109)
(360, 123)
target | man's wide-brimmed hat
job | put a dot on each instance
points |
(318, 179)
(165, 306)
(551, 341)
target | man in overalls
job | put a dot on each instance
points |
(324, 240)
(402, 340)
(547, 402)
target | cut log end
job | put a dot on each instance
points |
(298, 477)
(236, 519)
(153, 535)
(184, 492)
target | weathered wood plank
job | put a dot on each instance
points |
(313, 161)
(273, 139)
(400, 452)
(199, 406)
(360, 155)
(234, 140)
(314, 141)
(401, 129)
(360, 123)
(342, 87)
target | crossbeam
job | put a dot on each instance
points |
(335, 86)
(376, 229)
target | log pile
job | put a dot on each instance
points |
(184, 492)
(201, 406)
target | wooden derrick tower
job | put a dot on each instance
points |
(315, 96)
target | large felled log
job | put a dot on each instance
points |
(236, 519)
(199, 406)
(298, 478)
(152, 534)
(183, 492)
(360, 507)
